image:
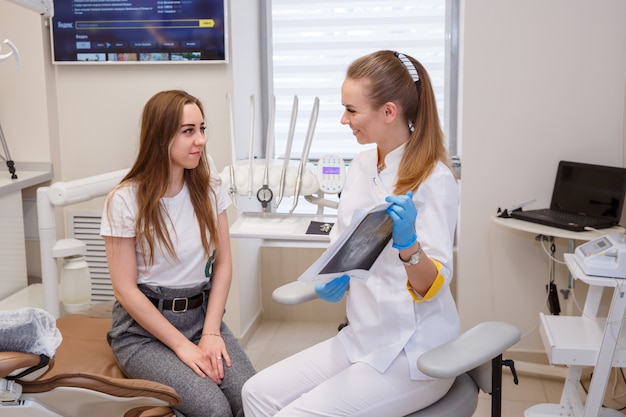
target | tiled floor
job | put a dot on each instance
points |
(275, 340)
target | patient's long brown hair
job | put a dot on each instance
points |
(161, 121)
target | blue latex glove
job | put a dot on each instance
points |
(334, 290)
(403, 213)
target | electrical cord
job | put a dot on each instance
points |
(582, 385)
(615, 396)
(496, 282)
(593, 229)
(550, 255)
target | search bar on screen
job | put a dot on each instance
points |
(145, 24)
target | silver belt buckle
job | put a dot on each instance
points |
(174, 302)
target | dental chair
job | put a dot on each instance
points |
(474, 359)
(81, 380)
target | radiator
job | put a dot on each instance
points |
(85, 226)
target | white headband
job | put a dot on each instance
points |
(409, 66)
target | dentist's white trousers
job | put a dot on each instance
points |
(321, 381)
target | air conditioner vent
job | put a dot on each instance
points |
(85, 226)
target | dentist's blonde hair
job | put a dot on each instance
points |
(390, 81)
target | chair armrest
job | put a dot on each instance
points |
(12, 363)
(296, 292)
(471, 349)
(115, 387)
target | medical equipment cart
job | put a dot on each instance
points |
(582, 341)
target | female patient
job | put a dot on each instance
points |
(405, 307)
(166, 233)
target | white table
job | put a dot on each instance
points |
(279, 227)
(582, 341)
(539, 229)
(31, 296)
(259, 233)
(554, 232)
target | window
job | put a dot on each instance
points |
(311, 44)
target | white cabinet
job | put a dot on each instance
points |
(256, 233)
(13, 275)
(583, 341)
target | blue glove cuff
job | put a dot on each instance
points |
(406, 245)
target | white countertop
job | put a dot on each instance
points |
(28, 174)
(278, 226)
(540, 229)
(31, 296)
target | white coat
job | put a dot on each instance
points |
(384, 318)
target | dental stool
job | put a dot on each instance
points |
(82, 379)
(474, 358)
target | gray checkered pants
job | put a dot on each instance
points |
(142, 356)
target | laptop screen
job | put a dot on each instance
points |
(593, 190)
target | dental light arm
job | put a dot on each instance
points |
(72, 192)
(61, 194)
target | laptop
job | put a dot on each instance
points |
(584, 196)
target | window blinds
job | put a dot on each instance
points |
(312, 44)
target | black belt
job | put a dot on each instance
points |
(180, 304)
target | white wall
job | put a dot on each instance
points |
(24, 113)
(85, 119)
(541, 81)
(98, 108)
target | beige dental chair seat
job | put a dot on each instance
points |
(82, 379)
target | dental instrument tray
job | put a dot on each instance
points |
(280, 226)
(604, 256)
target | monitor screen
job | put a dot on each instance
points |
(138, 31)
(592, 190)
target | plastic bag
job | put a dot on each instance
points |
(30, 330)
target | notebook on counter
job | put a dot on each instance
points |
(584, 196)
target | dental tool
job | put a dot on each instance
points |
(283, 172)
(305, 152)
(251, 149)
(265, 194)
(232, 190)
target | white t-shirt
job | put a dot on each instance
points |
(119, 217)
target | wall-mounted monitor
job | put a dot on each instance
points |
(139, 31)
